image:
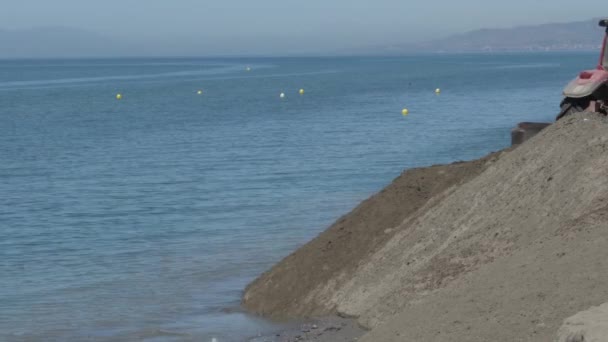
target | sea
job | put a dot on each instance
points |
(143, 218)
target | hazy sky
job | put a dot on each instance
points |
(306, 23)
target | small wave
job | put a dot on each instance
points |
(68, 81)
(150, 79)
(216, 69)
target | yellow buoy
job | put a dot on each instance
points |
(301, 91)
(200, 92)
(405, 112)
(437, 91)
(118, 96)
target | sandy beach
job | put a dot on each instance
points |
(472, 251)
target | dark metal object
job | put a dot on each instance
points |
(526, 130)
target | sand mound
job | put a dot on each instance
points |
(504, 256)
(332, 257)
(586, 326)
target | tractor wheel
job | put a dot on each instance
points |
(570, 106)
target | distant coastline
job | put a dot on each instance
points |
(62, 42)
(579, 36)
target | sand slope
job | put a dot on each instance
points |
(505, 254)
(586, 326)
(287, 290)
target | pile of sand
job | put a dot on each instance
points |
(283, 291)
(500, 249)
(586, 326)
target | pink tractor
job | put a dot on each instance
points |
(588, 92)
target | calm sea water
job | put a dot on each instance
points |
(144, 219)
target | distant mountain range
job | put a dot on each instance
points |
(57, 42)
(574, 36)
(70, 42)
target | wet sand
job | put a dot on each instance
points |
(330, 329)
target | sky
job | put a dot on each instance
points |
(313, 25)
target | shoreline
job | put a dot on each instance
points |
(415, 187)
(282, 292)
(327, 329)
(470, 251)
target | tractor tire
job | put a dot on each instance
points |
(571, 106)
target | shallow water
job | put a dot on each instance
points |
(144, 219)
